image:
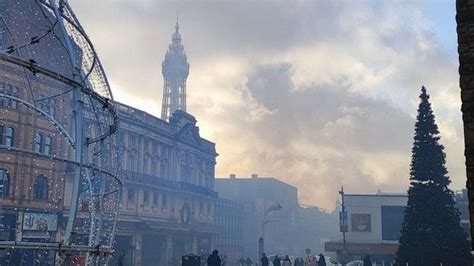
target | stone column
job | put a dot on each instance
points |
(211, 239)
(19, 227)
(169, 249)
(137, 254)
(194, 248)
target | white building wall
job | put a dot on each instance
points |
(362, 205)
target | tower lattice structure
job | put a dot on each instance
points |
(175, 70)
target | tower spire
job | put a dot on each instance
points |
(175, 70)
(177, 21)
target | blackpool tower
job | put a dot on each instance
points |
(175, 69)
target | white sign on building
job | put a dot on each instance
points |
(40, 222)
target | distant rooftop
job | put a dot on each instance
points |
(254, 178)
(378, 194)
(148, 120)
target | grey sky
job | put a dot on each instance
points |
(317, 93)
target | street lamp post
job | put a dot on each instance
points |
(343, 226)
(261, 240)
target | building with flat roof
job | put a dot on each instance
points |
(228, 219)
(289, 230)
(257, 194)
(374, 222)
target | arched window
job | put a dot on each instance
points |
(146, 198)
(164, 202)
(131, 158)
(162, 168)
(10, 141)
(38, 142)
(4, 183)
(154, 167)
(40, 188)
(47, 144)
(146, 163)
(131, 195)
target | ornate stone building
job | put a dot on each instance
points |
(228, 219)
(168, 200)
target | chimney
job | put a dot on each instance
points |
(254, 176)
(232, 176)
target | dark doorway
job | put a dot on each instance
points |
(123, 251)
(153, 252)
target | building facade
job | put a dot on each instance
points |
(315, 226)
(168, 199)
(373, 227)
(31, 182)
(228, 218)
(290, 229)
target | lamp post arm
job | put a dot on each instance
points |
(275, 207)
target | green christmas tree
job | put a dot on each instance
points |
(431, 232)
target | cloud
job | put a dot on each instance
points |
(317, 93)
(316, 138)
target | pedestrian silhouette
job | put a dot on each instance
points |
(299, 261)
(213, 259)
(264, 260)
(322, 260)
(367, 261)
(276, 261)
(286, 261)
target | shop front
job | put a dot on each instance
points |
(379, 253)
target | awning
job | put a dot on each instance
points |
(367, 248)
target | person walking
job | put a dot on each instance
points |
(264, 260)
(299, 261)
(322, 260)
(276, 261)
(367, 261)
(286, 261)
(311, 261)
(214, 259)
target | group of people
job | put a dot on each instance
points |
(215, 260)
(309, 261)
